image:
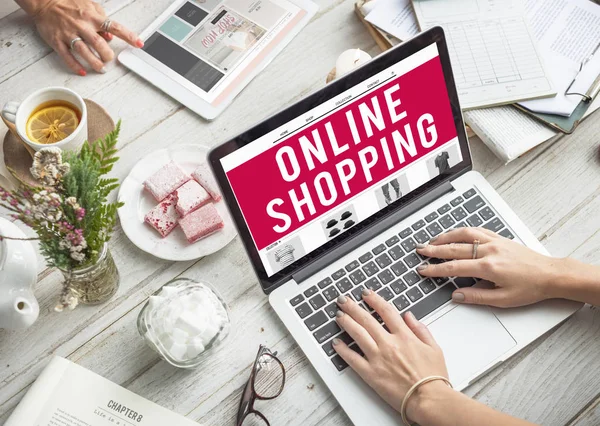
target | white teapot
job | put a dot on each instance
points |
(18, 273)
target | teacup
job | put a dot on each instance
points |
(15, 116)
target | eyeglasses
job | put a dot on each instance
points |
(594, 88)
(266, 382)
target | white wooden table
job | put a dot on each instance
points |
(555, 189)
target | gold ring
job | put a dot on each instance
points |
(106, 26)
(475, 246)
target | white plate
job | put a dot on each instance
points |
(138, 202)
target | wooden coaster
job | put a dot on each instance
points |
(18, 158)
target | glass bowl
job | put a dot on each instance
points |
(184, 321)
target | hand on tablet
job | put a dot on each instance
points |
(80, 26)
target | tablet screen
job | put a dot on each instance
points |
(214, 45)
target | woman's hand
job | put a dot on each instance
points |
(395, 360)
(521, 275)
(61, 21)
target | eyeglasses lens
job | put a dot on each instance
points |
(269, 377)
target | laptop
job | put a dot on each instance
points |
(332, 195)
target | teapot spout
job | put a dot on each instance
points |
(20, 312)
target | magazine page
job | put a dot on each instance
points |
(66, 394)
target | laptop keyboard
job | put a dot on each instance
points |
(389, 270)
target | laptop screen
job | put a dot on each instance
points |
(312, 179)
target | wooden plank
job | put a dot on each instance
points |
(21, 46)
(590, 417)
(105, 339)
(136, 267)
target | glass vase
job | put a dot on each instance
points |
(96, 283)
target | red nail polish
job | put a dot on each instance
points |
(82, 72)
(139, 43)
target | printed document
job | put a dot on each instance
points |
(66, 394)
(395, 17)
(492, 50)
(568, 33)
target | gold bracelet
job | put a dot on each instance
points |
(413, 389)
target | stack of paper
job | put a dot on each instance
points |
(493, 53)
(566, 32)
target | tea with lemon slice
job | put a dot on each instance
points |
(52, 122)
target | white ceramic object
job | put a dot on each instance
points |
(138, 202)
(18, 273)
(349, 60)
(17, 114)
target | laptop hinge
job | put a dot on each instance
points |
(370, 233)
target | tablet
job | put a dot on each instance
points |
(204, 52)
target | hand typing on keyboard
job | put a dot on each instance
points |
(395, 359)
(392, 358)
(521, 275)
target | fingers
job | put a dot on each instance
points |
(464, 235)
(126, 35)
(352, 358)
(481, 296)
(66, 55)
(98, 43)
(363, 319)
(453, 268)
(106, 36)
(84, 51)
(388, 313)
(419, 329)
(450, 251)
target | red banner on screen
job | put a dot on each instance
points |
(337, 157)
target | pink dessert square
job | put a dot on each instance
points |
(190, 196)
(201, 223)
(205, 178)
(166, 180)
(163, 217)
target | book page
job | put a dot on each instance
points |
(66, 394)
(493, 53)
(507, 131)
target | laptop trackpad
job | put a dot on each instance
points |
(471, 338)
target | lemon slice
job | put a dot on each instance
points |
(51, 125)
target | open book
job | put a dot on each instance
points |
(66, 394)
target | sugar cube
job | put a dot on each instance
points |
(190, 196)
(201, 223)
(178, 350)
(163, 217)
(209, 332)
(166, 180)
(154, 302)
(195, 348)
(168, 291)
(179, 335)
(190, 322)
(204, 177)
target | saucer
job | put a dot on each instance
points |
(138, 202)
(19, 160)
